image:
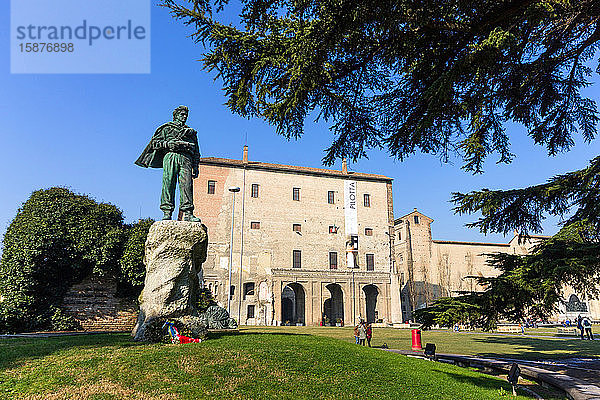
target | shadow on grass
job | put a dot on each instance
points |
(13, 352)
(535, 348)
(479, 381)
(222, 333)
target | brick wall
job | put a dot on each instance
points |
(93, 303)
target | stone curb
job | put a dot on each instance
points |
(56, 334)
(575, 389)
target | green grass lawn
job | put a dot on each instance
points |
(481, 344)
(282, 364)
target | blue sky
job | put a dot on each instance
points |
(85, 131)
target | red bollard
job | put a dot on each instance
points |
(416, 339)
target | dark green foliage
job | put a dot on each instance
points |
(56, 239)
(528, 285)
(131, 262)
(61, 321)
(524, 209)
(448, 311)
(440, 77)
(533, 284)
(205, 299)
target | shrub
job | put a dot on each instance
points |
(131, 263)
(56, 239)
(61, 321)
(205, 299)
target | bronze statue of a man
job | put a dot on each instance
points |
(174, 148)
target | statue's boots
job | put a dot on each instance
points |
(166, 215)
(189, 216)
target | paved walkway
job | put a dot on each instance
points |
(585, 369)
(579, 378)
(512, 334)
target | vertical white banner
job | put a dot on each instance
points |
(350, 208)
(351, 223)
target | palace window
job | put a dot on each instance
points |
(332, 260)
(399, 235)
(296, 194)
(370, 262)
(211, 187)
(250, 312)
(367, 198)
(368, 232)
(231, 291)
(333, 229)
(297, 258)
(254, 225)
(248, 289)
(331, 197)
(297, 227)
(254, 191)
(416, 218)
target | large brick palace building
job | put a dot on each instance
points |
(314, 246)
(309, 245)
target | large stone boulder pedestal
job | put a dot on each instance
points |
(175, 251)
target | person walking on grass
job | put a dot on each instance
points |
(362, 333)
(369, 334)
(580, 326)
(356, 334)
(587, 325)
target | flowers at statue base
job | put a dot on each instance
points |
(176, 337)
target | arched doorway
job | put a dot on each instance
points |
(333, 307)
(287, 309)
(371, 293)
(292, 304)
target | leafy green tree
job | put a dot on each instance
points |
(528, 285)
(439, 77)
(56, 239)
(448, 311)
(532, 285)
(205, 299)
(133, 271)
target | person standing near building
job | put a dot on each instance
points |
(356, 340)
(369, 334)
(580, 326)
(587, 325)
(362, 333)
